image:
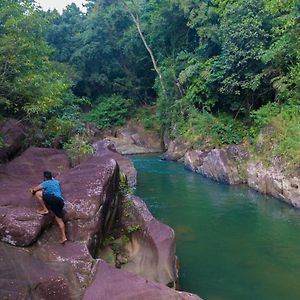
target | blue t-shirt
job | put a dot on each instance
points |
(52, 187)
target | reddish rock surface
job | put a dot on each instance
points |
(89, 189)
(20, 225)
(14, 136)
(48, 270)
(107, 150)
(25, 277)
(128, 286)
(152, 247)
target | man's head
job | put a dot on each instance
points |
(47, 175)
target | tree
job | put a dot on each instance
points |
(29, 83)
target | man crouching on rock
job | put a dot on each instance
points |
(49, 195)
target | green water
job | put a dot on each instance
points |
(232, 243)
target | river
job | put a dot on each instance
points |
(232, 243)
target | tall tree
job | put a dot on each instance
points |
(29, 83)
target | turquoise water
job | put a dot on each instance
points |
(232, 243)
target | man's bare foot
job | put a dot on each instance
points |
(42, 211)
(63, 240)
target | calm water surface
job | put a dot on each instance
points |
(232, 243)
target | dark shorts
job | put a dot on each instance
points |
(54, 203)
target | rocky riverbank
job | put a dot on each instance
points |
(234, 165)
(33, 265)
(132, 138)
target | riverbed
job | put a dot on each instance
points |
(232, 242)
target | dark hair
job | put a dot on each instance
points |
(47, 175)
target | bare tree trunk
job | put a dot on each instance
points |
(136, 21)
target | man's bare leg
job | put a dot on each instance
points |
(39, 197)
(61, 225)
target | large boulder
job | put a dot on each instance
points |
(224, 165)
(14, 135)
(177, 149)
(20, 224)
(151, 250)
(106, 148)
(90, 189)
(46, 269)
(133, 138)
(23, 276)
(113, 284)
(274, 182)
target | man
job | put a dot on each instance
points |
(49, 195)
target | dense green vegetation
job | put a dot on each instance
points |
(215, 71)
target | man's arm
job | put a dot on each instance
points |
(35, 189)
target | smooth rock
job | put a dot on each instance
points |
(90, 189)
(25, 277)
(113, 284)
(152, 247)
(106, 148)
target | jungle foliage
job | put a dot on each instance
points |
(220, 70)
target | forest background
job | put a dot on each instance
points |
(213, 72)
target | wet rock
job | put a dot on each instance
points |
(223, 165)
(129, 287)
(20, 225)
(274, 182)
(177, 149)
(14, 136)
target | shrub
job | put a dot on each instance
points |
(111, 111)
(283, 140)
(264, 115)
(227, 130)
(212, 130)
(58, 130)
(78, 148)
(2, 143)
(148, 117)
